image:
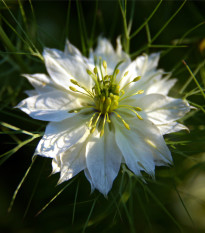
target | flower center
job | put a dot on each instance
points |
(106, 95)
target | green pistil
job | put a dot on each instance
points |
(108, 99)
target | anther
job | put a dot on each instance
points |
(126, 73)
(139, 117)
(117, 71)
(123, 121)
(73, 89)
(89, 72)
(105, 64)
(74, 82)
(140, 92)
(126, 125)
(151, 143)
(95, 70)
(138, 109)
(136, 79)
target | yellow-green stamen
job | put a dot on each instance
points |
(106, 94)
(123, 121)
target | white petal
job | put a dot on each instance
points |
(153, 138)
(132, 73)
(62, 68)
(103, 160)
(120, 53)
(162, 109)
(31, 92)
(60, 136)
(73, 160)
(71, 50)
(171, 128)
(145, 67)
(142, 146)
(51, 106)
(41, 82)
(149, 79)
(56, 164)
(88, 176)
(162, 86)
(136, 155)
(106, 51)
(145, 63)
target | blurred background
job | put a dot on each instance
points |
(175, 200)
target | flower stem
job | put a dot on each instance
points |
(194, 78)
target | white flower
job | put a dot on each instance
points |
(103, 111)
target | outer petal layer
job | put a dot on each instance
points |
(160, 109)
(162, 86)
(50, 106)
(72, 50)
(151, 79)
(106, 51)
(144, 66)
(41, 82)
(62, 68)
(171, 128)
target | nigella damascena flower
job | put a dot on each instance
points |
(103, 111)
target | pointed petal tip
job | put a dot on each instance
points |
(92, 189)
(59, 182)
(17, 106)
(192, 107)
(106, 196)
(104, 192)
(185, 128)
(169, 162)
(25, 75)
(46, 51)
(52, 173)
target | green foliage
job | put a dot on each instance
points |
(30, 200)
